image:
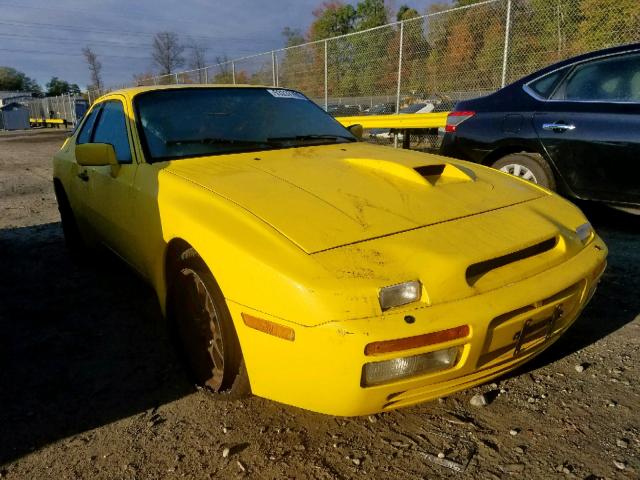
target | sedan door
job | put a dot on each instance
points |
(110, 197)
(590, 129)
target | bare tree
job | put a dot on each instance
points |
(224, 73)
(95, 68)
(144, 78)
(197, 59)
(167, 52)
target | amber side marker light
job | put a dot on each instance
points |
(388, 346)
(270, 328)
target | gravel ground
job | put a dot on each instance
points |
(90, 386)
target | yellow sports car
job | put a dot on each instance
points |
(302, 265)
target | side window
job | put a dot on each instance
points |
(610, 79)
(85, 134)
(112, 129)
(544, 86)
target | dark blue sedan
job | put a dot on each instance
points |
(573, 126)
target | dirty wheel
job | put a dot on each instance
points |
(205, 331)
(72, 237)
(528, 166)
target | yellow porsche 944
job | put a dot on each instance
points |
(299, 264)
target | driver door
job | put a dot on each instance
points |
(109, 202)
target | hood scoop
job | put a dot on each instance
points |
(441, 173)
(432, 174)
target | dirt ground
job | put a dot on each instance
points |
(90, 386)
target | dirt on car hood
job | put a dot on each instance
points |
(327, 196)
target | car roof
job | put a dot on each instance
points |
(579, 58)
(134, 91)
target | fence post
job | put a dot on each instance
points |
(176, 75)
(505, 54)
(395, 137)
(206, 74)
(72, 111)
(273, 69)
(64, 107)
(233, 71)
(326, 78)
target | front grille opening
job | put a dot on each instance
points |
(476, 271)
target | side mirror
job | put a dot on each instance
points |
(356, 130)
(97, 155)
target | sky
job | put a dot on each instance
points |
(44, 38)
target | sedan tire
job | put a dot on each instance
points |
(528, 166)
(204, 330)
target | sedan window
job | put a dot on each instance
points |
(544, 86)
(614, 79)
(112, 129)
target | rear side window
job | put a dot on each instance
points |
(85, 134)
(545, 86)
(112, 129)
(615, 79)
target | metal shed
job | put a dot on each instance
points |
(14, 116)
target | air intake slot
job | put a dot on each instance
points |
(476, 271)
(442, 173)
(430, 170)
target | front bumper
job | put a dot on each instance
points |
(321, 369)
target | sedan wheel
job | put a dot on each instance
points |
(528, 166)
(519, 171)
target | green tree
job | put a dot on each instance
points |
(332, 18)
(15, 80)
(370, 14)
(607, 22)
(56, 87)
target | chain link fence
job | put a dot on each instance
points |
(68, 108)
(438, 58)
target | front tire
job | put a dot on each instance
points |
(204, 329)
(528, 166)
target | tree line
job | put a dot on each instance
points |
(15, 80)
(460, 50)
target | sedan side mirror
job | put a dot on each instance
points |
(97, 155)
(356, 130)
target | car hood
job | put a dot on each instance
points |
(323, 197)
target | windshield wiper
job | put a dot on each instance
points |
(310, 137)
(220, 141)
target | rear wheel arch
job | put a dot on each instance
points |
(58, 187)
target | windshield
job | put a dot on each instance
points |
(192, 122)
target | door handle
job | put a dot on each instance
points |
(84, 176)
(558, 127)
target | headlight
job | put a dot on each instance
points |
(584, 232)
(400, 294)
(377, 373)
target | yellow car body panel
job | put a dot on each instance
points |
(306, 238)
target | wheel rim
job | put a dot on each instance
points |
(199, 328)
(520, 171)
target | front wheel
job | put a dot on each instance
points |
(205, 332)
(528, 166)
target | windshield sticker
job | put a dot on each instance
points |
(279, 93)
